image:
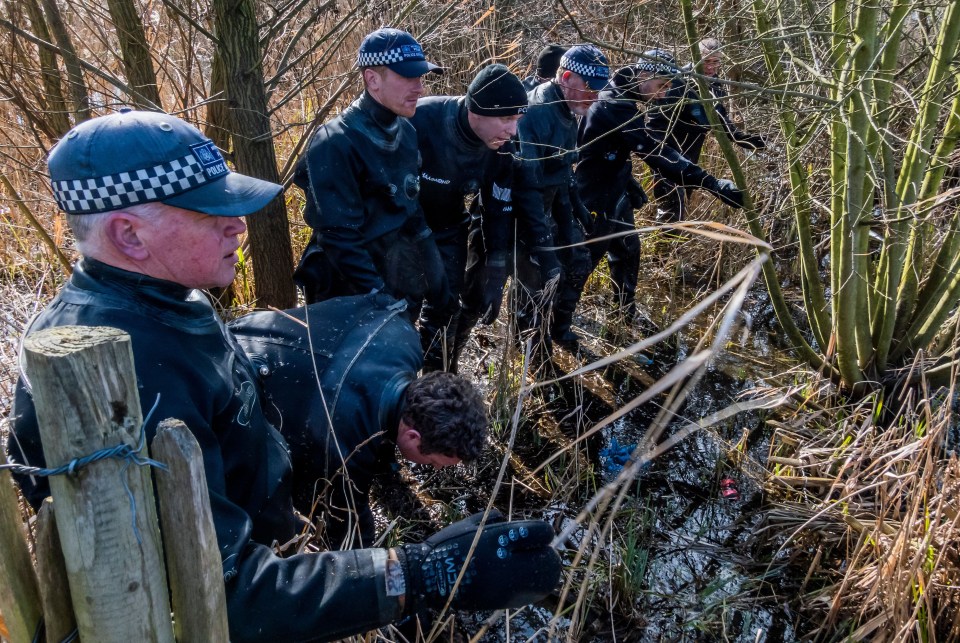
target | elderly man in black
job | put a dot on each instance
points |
(611, 132)
(360, 176)
(468, 154)
(680, 121)
(157, 215)
(548, 143)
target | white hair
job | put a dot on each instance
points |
(83, 226)
(709, 46)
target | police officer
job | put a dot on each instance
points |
(157, 215)
(468, 153)
(612, 131)
(360, 176)
(680, 121)
(548, 61)
(548, 142)
(369, 404)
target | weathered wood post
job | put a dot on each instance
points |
(19, 597)
(85, 393)
(52, 573)
(190, 542)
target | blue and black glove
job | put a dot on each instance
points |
(512, 565)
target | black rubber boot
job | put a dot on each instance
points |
(561, 332)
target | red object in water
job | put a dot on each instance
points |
(728, 489)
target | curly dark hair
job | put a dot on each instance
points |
(449, 414)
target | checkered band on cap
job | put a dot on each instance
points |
(656, 67)
(577, 67)
(390, 56)
(104, 193)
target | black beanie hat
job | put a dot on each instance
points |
(549, 60)
(496, 92)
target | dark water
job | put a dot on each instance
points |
(686, 561)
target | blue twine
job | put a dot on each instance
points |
(120, 452)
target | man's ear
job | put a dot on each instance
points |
(371, 79)
(123, 233)
(410, 434)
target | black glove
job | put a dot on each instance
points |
(512, 565)
(638, 198)
(725, 190)
(547, 260)
(495, 276)
(435, 276)
(753, 141)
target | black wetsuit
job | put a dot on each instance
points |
(364, 353)
(548, 142)
(361, 179)
(457, 168)
(610, 133)
(680, 121)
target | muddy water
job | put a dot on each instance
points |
(687, 564)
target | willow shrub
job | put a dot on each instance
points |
(840, 78)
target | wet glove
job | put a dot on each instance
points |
(495, 276)
(512, 565)
(752, 141)
(435, 276)
(725, 190)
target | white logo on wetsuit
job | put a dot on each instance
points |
(427, 177)
(247, 396)
(502, 194)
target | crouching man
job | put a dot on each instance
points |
(157, 215)
(341, 378)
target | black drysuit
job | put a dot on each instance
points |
(610, 133)
(680, 121)
(364, 353)
(184, 352)
(361, 179)
(457, 168)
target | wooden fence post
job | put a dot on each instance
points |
(52, 573)
(190, 542)
(19, 597)
(85, 393)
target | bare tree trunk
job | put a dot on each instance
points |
(253, 151)
(137, 63)
(218, 109)
(54, 103)
(79, 95)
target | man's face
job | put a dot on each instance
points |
(710, 64)
(395, 92)
(653, 88)
(578, 94)
(494, 131)
(189, 248)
